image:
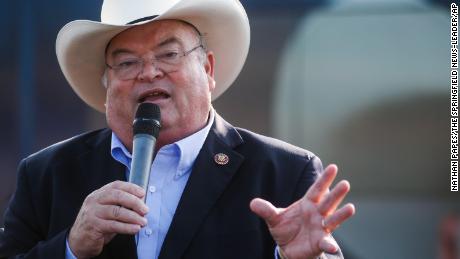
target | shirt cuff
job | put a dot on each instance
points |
(68, 251)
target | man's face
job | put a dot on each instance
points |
(182, 91)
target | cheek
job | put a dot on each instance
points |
(193, 97)
(191, 94)
(113, 96)
(110, 105)
(118, 104)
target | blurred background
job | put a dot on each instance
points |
(361, 83)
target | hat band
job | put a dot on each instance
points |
(142, 19)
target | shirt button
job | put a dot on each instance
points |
(152, 188)
(148, 231)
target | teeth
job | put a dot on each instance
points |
(156, 94)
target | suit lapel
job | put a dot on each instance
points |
(99, 166)
(206, 183)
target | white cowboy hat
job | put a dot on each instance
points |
(81, 44)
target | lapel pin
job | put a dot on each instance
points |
(221, 159)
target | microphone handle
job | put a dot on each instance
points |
(143, 145)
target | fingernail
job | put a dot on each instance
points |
(144, 222)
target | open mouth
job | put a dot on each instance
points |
(154, 96)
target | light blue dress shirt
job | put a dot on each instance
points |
(168, 176)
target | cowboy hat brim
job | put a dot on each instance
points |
(81, 44)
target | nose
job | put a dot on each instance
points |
(150, 71)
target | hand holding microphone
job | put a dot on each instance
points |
(118, 207)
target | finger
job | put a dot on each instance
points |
(124, 199)
(341, 215)
(265, 210)
(328, 245)
(334, 198)
(322, 184)
(118, 213)
(113, 226)
(127, 187)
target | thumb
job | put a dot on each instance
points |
(328, 245)
(265, 210)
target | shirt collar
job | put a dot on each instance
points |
(188, 148)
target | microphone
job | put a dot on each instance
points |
(146, 127)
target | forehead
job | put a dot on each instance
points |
(151, 34)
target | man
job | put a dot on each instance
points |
(72, 199)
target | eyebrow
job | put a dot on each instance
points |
(165, 42)
(120, 51)
(170, 40)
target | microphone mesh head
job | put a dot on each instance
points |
(147, 119)
(148, 111)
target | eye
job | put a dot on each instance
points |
(167, 55)
(127, 64)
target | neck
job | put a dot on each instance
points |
(173, 134)
(168, 135)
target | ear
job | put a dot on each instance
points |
(209, 68)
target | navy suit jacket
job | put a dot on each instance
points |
(212, 220)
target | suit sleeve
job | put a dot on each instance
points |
(310, 173)
(25, 233)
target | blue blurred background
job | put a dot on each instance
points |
(362, 83)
